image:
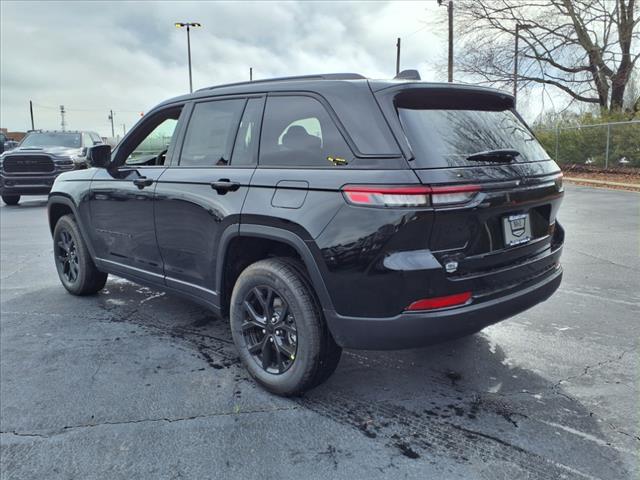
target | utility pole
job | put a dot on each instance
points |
(398, 56)
(450, 54)
(188, 25)
(450, 59)
(110, 117)
(124, 130)
(31, 112)
(519, 26)
(251, 74)
(63, 124)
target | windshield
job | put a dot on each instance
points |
(445, 138)
(52, 139)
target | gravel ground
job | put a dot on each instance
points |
(136, 383)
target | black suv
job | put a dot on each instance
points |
(322, 212)
(32, 167)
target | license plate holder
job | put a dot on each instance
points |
(517, 229)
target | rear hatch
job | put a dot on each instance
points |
(496, 191)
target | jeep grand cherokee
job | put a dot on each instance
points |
(320, 213)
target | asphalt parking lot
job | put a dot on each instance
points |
(135, 383)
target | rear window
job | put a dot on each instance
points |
(446, 137)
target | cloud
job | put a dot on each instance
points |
(128, 56)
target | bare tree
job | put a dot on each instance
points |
(585, 48)
(632, 93)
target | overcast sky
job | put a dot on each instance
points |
(128, 56)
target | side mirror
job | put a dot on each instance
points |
(99, 156)
(83, 152)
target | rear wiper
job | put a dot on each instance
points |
(500, 156)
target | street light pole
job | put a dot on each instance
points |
(450, 26)
(519, 26)
(188, 25)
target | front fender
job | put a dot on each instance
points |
(64, 199)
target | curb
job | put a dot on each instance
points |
(605, 183)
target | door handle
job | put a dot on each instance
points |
(143, 182)
(225, 185)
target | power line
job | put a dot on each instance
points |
(85, 109)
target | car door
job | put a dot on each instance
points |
(202, 192)
(121, 198)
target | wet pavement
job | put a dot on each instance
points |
(136, 383)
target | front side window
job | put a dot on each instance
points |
(153, 139)
(87, 141)
(211, 133)
(298, 131)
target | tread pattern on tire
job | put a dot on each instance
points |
(11, 200)
(331, 351)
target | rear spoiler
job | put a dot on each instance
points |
(445, 96)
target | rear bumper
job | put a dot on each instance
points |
(412, 330)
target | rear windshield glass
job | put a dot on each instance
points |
(52, 139)
(445, 138)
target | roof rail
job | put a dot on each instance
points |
(321, 76)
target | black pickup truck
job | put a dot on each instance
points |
(34, 164)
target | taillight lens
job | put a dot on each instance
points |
(440, 302)
(409, 196)
(375, 196)
(451, 195)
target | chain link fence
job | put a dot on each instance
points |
(604, 145)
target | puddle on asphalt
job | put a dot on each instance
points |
(422, 404)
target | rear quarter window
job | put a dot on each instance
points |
(297, 131)
(446, 137)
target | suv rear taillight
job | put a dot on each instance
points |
(408, 196)
(454, 194)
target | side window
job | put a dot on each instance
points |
(151, 140)
(96, 138)
(211, 133)
(298, 131)
(87, 141)
(246, 146)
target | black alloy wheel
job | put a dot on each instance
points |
(269, 329)
(67, 256)
(74, 264)
(278, 327)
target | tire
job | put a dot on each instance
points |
(303, 354)
(76, 269)
(11, 199)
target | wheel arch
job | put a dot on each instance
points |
(290, 242)
(60, 204)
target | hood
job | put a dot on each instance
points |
(53, 150)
